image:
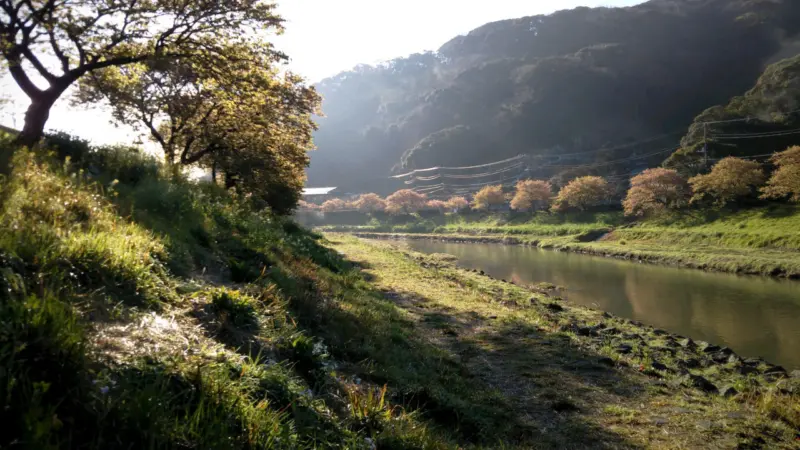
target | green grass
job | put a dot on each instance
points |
(762, 240)
(508, 340)
(153, 313)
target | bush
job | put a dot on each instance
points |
(654, 191)
(785, 181)
(489, 197)
(582, 193)
(530, 193)
(370, 203)
(457, 203)
(405, 201)
(235, 308)
(730, 179)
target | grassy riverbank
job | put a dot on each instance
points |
(763, 241)
(570, 377)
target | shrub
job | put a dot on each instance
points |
(235, 308)
(785, 181)
(370, 203)
(405, 201)
(334, 204)
(457, 203)
(731, 178)
(654, 191)
(489, 197)
(303, 205)
(530, 193)
(582, 193)
(436, 205)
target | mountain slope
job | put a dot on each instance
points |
(764, 120)
(573, 81)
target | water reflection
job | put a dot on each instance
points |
(754, 316)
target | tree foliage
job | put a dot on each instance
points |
(334, 204)
(785, 181)
(489, 197)
(370, 203)
(582, 193)
(436, 205)
(236, 115)
(60, 41)
(457, 203)
(405, 201)
(729, 179)
(530, 193)
(656, 190)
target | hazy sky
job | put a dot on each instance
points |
(324, 37)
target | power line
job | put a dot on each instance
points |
(619, 147)
(459, 168)
(756, 135)
(671, 149)
(477, 175)
(744, 119)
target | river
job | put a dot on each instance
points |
(755, 316)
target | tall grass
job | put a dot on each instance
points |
(95, 241)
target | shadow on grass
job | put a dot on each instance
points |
(508, 383)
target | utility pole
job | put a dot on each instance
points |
(705, 145)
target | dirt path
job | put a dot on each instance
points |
(573, 377)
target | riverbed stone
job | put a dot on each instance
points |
(609, 331)
(774, 369)
(701, 383)
(687, 343)
(624, 349)
(720, 357)
(728, 391)
(606, 361)
(752, 361)
(795, 374)
(659, 366)
(659, 332)
(746, 370)
(709, 348)
(690, 363)
(555, 307)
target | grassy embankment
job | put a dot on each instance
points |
(140, 311)
(570, 377)
(763, 241)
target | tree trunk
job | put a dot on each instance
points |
(214, 173)
(35, 118)
(230, 180)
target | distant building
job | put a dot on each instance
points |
(318, 195)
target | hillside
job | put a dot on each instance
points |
(570, 82)
(762, 121)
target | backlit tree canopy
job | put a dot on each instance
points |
(489, 197)
(785, 181)
(59, 42)
(529, 192)
(370, 203)
(405, 201)
(656, 190)
(582, 193)
(729, 179)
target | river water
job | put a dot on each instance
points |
(755, 316)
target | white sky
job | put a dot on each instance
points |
(324, 37)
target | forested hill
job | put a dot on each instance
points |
(570, 82)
